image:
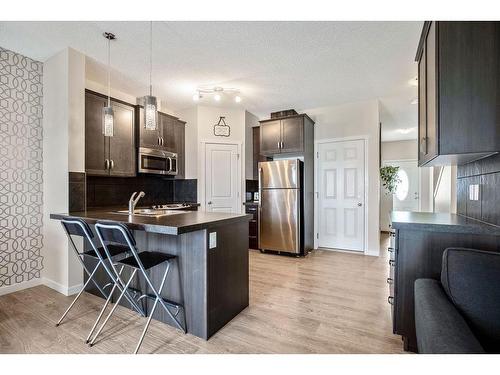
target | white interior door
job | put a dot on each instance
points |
(341, 195)
(407, 194)
(222, 181)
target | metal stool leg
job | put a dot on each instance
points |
(91, 275)
(152, 310)
(114, 308)
(103, 309)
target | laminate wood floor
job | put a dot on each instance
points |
(328, 302)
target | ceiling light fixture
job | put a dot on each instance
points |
(217, 93)
(413, 82)
(405, 130)
(150, 102)
(107, 112)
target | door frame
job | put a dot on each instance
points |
(202, 175)
(365, 139)
(384, 162)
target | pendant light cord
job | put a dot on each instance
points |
(150, 58)
(109, 72)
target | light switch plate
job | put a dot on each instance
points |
(212, 240)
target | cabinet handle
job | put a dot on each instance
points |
(112, 164)
(279, 145)
(390, 280)
(106, 164)
(390, 300)
(161, 141)
(392, 262)
(390, 249)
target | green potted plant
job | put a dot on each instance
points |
(389, 177)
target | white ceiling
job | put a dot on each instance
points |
(276, 65)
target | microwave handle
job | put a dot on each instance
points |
(169, 169)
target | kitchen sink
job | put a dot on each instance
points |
(152, 212)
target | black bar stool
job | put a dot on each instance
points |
(143, 261)
(78, 227)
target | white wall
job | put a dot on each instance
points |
(207, 118)
(356, 120)
(445, 198)
(63, 85)
(190, 115)
(404, 150)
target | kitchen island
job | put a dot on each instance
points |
(210, 275)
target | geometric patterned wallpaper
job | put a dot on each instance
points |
(21, 198)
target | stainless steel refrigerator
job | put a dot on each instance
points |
(281, 197)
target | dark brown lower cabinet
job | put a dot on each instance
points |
(417, 253)
(253, 225)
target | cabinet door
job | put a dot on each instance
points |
(431, 102)
(168, 125)
(292, 135)
(95, 142)
(422, 111)
(122, 152)
(179, 136)
(270, 137)
(148, 138)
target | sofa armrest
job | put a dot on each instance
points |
(439, 326)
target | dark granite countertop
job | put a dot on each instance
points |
(187, 221)
(441, 222)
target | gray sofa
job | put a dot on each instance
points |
(460, 314)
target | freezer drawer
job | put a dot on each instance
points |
(279, 220)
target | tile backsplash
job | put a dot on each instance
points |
(478, 189)
(116, 191)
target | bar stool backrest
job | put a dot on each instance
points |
(118, 233)
(78, 227)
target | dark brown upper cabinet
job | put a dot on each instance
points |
(285, 135)
(180, 148)
(257, 156)
(109, 156)
(458, 92)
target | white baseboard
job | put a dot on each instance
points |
(20, 286)
(67, 291)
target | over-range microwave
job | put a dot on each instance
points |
(157, 161)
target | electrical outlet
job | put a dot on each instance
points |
(212, 240)
(474, 192)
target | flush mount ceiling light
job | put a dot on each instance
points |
(217, 93)
(107, 112)
(150, 102)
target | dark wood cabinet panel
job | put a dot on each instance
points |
(122, 152)
(422, 111)
(419, 255)
(95, 142)
(257, 156)
(270, 137)
(292, 135)
(167, 132)
(459, 94)
(431, 98)
(180, 147)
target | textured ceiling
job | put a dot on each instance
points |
(276, 65)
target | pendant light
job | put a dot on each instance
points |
(107, 112)
(150, 104)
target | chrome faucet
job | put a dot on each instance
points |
(133, 201)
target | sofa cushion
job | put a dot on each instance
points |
(471, 279)
(439, 326)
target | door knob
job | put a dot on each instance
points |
(360, 204)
